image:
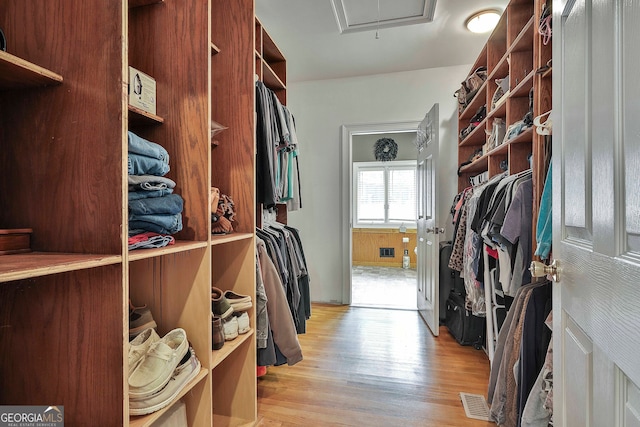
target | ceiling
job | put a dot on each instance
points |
(307, 33)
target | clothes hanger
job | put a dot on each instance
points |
(543, 128)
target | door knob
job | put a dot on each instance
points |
(435, 230)
(539, 269)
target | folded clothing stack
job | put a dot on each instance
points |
(154, 211)
(222, 212)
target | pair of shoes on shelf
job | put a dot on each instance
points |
(186, 370)
(217, 333)
(220, 306)
(153, 370)
(238, 302)
(235, 325)
(140, 319)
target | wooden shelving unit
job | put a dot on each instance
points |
(64, 175)
(515, 48)
(512, 49)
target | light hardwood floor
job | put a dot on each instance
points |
(372, 367)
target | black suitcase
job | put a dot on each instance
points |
(466, 328)
(449, 280)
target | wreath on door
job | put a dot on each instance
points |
(385, 149)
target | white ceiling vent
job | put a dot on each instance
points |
(362, 15)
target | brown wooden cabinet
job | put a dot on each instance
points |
(64, 117)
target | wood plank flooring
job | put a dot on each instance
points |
(372, 367)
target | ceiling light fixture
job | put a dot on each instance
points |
(483, 21)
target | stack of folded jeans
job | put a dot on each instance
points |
(154, 211)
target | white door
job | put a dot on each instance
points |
(428, 232)
(596, 212)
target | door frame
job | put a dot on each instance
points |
(346, 184)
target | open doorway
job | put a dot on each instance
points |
(382, 233)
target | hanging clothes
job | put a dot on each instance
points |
(280, 249)
(277, 160)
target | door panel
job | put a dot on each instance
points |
(575, 115)
(578, 358)
(596, 225)
(630, 403)
(428, 237)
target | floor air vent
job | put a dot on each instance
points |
(475, 406)
(387, 252)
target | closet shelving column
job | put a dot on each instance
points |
(514, 48)
(271, 69)
(233, 172)
(62, 327)
(169, 41)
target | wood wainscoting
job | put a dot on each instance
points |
(368, 241)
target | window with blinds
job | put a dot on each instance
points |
(384, 193)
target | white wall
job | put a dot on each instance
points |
(320, 108)
(362, 149)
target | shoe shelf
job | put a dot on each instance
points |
(219, 239)
(179, 246)
(16, 72)
(219, 356)
(148, 420)
(37, 264)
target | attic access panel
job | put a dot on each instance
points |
(362, 15)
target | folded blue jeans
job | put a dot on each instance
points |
(169, 205)
(157, 223)
(149, 182)
(139, 145)
(144, 165)
(142, 194)
(157, 241)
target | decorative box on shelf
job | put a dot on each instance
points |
(15, 240)
(142, 90)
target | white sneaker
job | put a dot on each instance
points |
(230, 328)
(139, 345)
(158, 364)
(185, 372)
(243, 323)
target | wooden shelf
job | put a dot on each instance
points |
(223, 420)
(501, 69)
(524, 40)
(477, 136)
(220, 239)
(218, 356)
(523, 87)
(271, 79)
(37, 264)
(18, 73)
(478, 100)
(179, 246)
(479, 165)
(139, 3)
(140, 117)
(214, 49)
(148, 420)
(525, 136)
(500, 110)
